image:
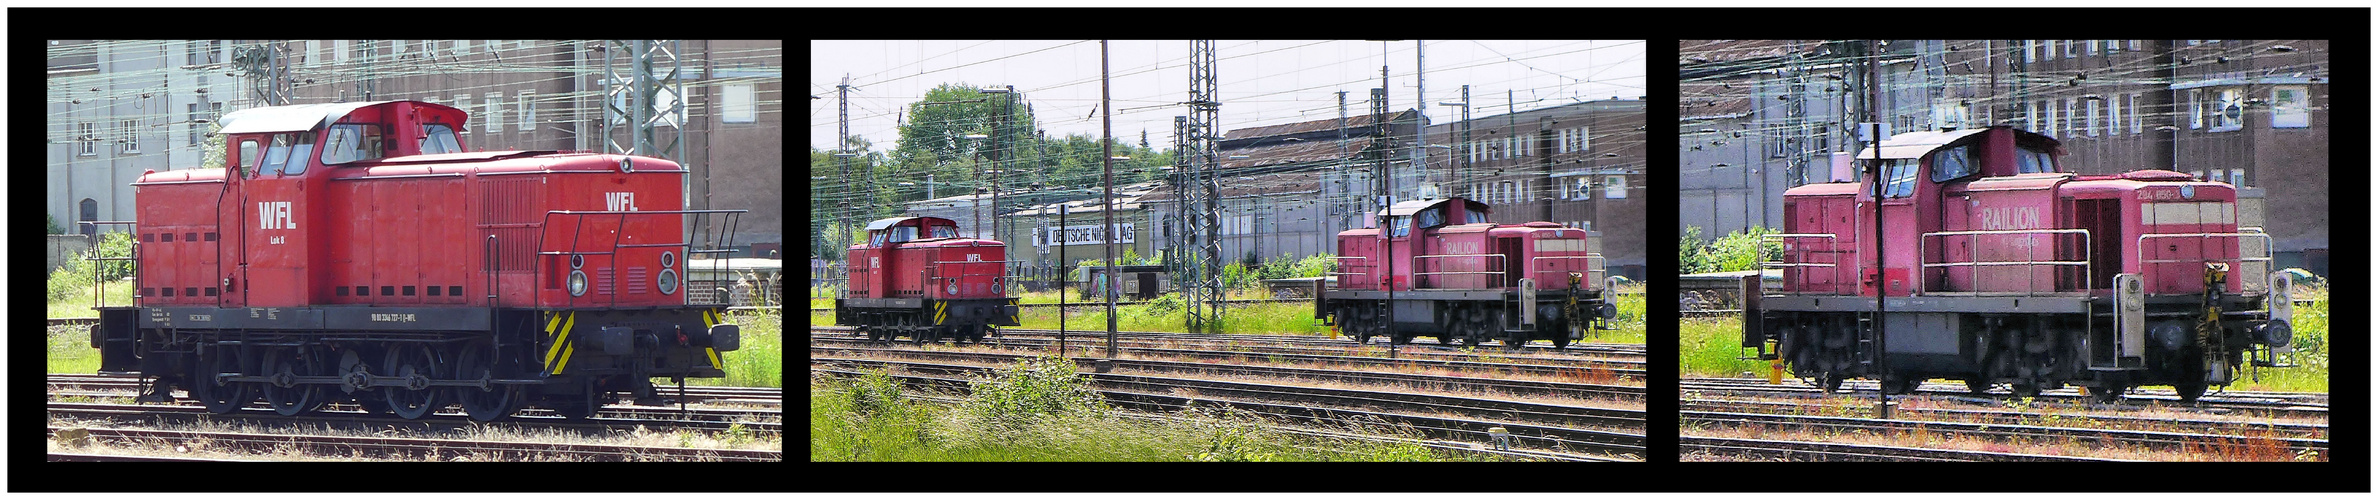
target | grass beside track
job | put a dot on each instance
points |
(1035, 412)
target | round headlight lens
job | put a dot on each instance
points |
(577, 261)
(668, 281)
(668, 259)
(577, 283)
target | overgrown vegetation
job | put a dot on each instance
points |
(1040, 409)
(1736, 251)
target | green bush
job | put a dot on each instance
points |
(1033, 388)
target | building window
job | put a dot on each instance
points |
(2114, 116)
(131, 142)
(738, 104)
(495, 113)
(528, 111)
(89, 137)
(2089, 125)
(1614, 187)
(2289, 107)
(2229, 111)
(463, 102)
(2196, 114)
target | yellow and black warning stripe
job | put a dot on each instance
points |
(710, 318)
(558, 326)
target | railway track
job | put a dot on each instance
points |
(1745, 419)
(1571, 369)
(2267, 404)
(1309, 341)
(1298, 406)
(75, 384)
(1482, 383)
(385, 448)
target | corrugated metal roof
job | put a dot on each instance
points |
(1352, 121)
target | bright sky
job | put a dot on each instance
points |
(1266, 82)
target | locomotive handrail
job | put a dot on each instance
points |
(2202, 239)
(1422, 284)
(1977, 265)
(98, 295)
(1779, 237)
(932, 274)
(578, 230)
(1348, 270)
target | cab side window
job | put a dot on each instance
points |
(1950, 164)
(904, 233)
(350, 142)
(1432, 217)
(2030, 162)
(249, 158)
(439, 138)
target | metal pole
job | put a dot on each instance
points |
(1882, 281)
(1106, 114)
(1056, 239)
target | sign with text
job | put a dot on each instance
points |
(1125, 234)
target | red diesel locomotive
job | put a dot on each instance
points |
(356, 251)
(1998, 267)
(915, 277)
(1440, 269)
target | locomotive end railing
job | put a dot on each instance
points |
(719, 244)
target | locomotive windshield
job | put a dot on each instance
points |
(1902, 173)
(2028, 161)
(288, 154)
(945, 231)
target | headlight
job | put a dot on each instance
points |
(577, 283)
(577, 261)
(668, 259)
(668, 281)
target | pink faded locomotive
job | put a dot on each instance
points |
(1439, 268)
(1997, 267)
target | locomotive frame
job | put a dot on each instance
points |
(915, 277)
(2002, 269)
(1514, 283)
(357, 271)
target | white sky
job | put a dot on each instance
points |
(1266, 82)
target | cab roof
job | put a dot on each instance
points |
(1915, 144)
(882, 224)
(304, 117)
(1415, 206)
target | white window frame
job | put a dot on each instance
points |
(738, 104)
(131, 141)
(528, 111)
(2196, 112)
(2291, 113)
(1614, 187)
(495, 113)
(2090, 124)
(89, 138)
(2219, 116)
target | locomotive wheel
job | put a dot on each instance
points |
(485, 405)
(415, 363)
(1830, 381)
(288, 398)
(1515, 340)
(352, 370)
(219, 397)
(2025, 389)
